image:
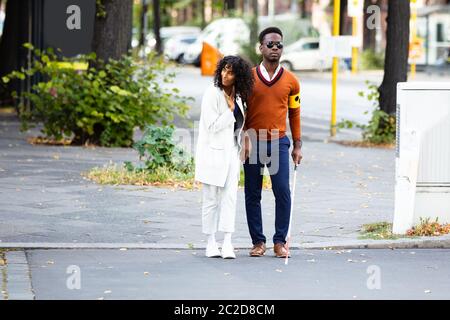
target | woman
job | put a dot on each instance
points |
(219, 144)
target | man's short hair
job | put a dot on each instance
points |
(267, 31)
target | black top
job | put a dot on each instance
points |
(239, 120)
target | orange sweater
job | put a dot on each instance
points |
(268, 105)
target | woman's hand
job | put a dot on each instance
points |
(246, 148)
(230, 99)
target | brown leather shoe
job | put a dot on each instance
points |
(280, 250)
(258, 250)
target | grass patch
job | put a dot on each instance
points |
(366, 144)
(49, 141)
(3, 275)
(8, 110)
(2, 258)
(429, 229)
(112, 174)
(267, 184)
(379, 231)
(383, 230)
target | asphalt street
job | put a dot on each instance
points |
(187, 274)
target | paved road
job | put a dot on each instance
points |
(186, 274)
(43, 198)
(315, 95)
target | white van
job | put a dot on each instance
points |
(227, 35)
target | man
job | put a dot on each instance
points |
(275, 96)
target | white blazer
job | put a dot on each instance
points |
(215, 138)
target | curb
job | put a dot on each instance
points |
(18, 277)
(442, 242)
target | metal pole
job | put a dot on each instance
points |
(337, 6)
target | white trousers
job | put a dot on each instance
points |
(219, 203)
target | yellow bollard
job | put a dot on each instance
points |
(413, 4)
(355, 50)
(337, 5)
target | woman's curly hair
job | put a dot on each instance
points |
(243, 76)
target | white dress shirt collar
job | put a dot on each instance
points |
(265, 74)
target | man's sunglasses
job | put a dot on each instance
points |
(270, 44)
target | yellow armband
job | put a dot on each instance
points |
(294, 101)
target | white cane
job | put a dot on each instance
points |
(288, 237)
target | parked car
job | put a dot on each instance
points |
(166, 33)
(176, 46)
(304, 55)
(225, 34)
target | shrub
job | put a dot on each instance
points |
(162, 163)
(98, 106)
(371, 60)
(381, 128)
(157, 149)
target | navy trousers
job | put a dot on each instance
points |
(275, 155)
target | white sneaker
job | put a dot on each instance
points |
(212, 251)
(228, 252)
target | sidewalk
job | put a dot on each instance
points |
(46, 203)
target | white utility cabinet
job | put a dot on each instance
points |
(422, 182)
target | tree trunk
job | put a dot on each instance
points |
(157, 25)
(15, 34)
(342, 17)
(369, 35)
(112, 33)
(229, 5)
(143, 22)
(303, 9)
(202, 12)
(396, 61)
(254, 24)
